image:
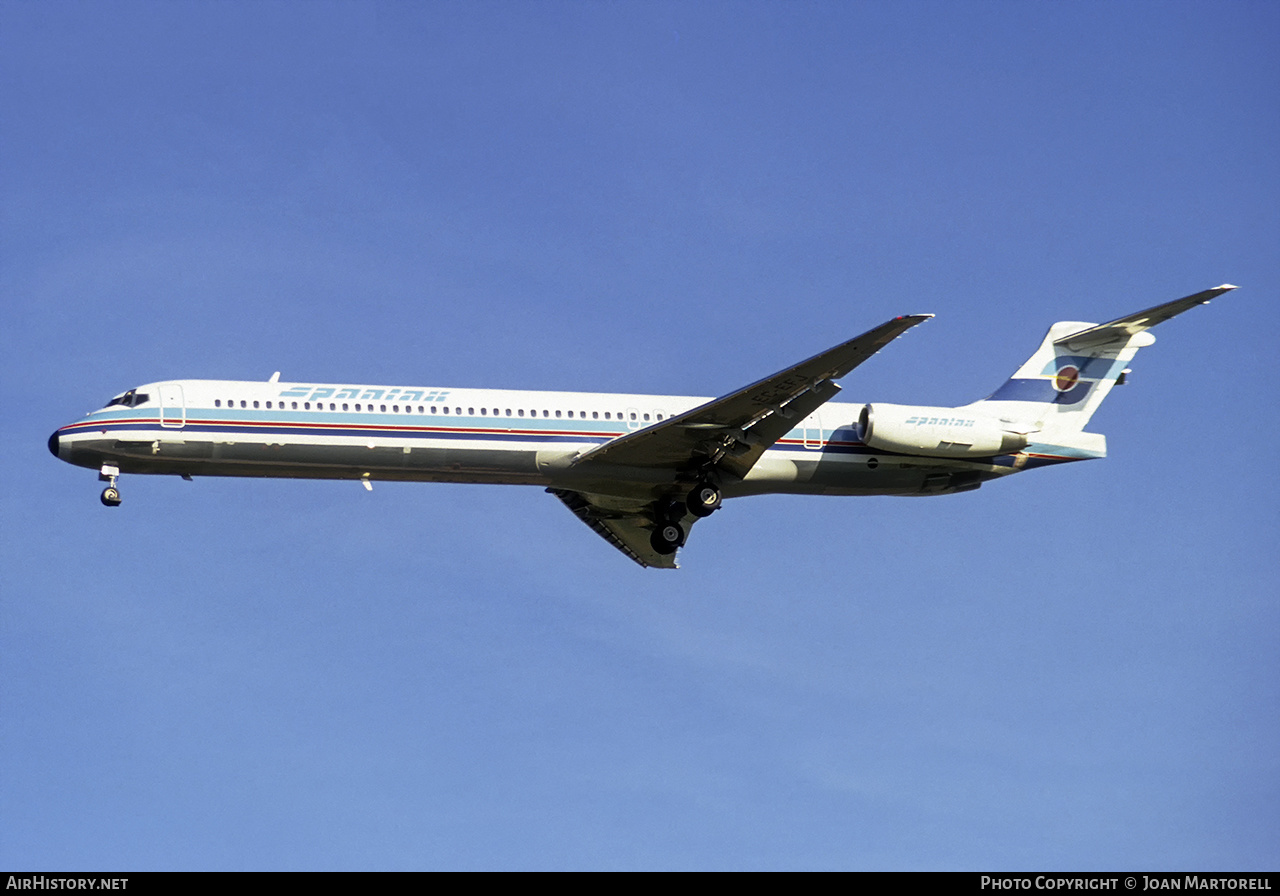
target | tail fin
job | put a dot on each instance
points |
(1064, 382)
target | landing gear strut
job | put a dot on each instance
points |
(110, 495)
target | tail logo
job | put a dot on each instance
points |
(1066, 379)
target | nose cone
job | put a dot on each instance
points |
(53, 444)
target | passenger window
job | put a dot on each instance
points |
(546, 413)
(520, 412)
(217, 402)
(295, 405)
(646, 416)
(383, 408)
(445, 409)
(395, 408)
(508, 412)
(595, 415)
(571, 415)
(344, 406)
(433, 409)
(243, 403)
(557, 413)
(606, 415)
(307, 405)
(483, 412)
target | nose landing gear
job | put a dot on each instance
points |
(110, 495)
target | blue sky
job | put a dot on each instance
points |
(1075, 669)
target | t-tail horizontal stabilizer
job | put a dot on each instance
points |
(1118, 331)
(1063, 383)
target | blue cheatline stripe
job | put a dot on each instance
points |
(1090, 368)
(437, 430)
(1040, 460)
(252, 430)
(795, 444)
(346, 423)
(1040, 392)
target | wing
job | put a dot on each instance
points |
(735, 430)
(625, 524)
(1121, 329)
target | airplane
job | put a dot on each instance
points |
(640, 470)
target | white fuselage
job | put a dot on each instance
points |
(273, 429)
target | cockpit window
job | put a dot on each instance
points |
(130, 399)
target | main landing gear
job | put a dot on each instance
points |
(668, 533)
(110, 495)
(667, 537)
(704, 500)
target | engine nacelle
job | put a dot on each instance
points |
(938, 432)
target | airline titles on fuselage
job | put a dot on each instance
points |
(314, 393)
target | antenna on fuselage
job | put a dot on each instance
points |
(275, 377)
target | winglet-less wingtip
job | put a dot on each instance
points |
(1217, 291)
